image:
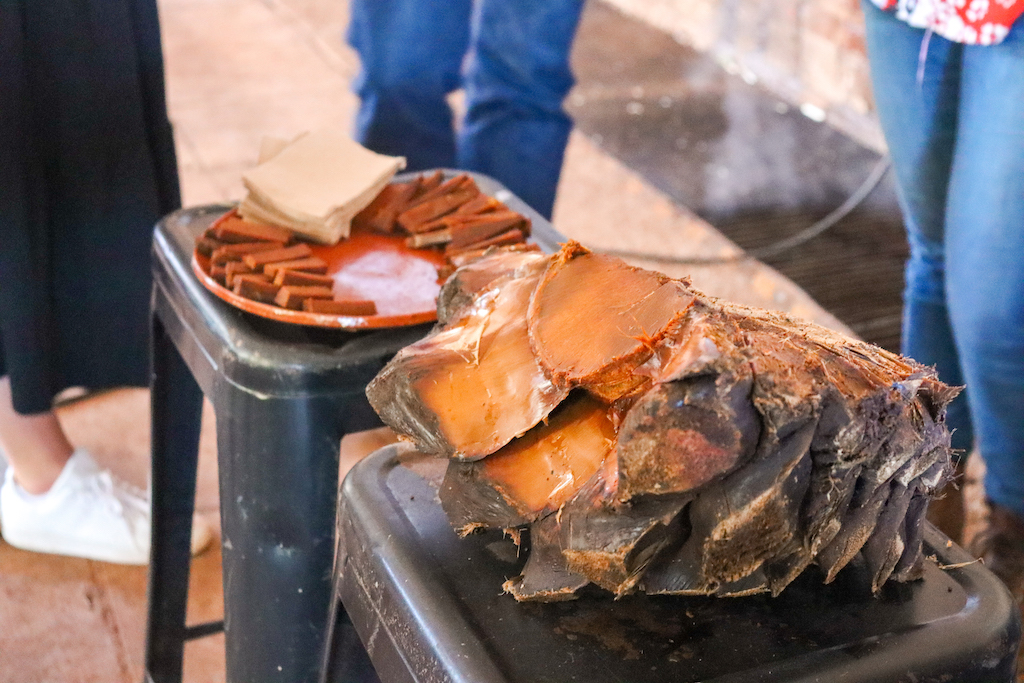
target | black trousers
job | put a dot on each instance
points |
(87, 167)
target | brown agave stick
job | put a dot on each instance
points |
(656, 439)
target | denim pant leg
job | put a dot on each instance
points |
(411, 53)
(919, 121)
(516, 79)
(985, 257)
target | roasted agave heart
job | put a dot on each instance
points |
(653, 438)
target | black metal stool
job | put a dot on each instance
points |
(284, 396)
(428, 607)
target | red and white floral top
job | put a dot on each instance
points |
(973, 22)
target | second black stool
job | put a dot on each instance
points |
(429, 607)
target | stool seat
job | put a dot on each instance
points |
(429, 607)
(284, 396)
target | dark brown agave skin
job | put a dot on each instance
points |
(697, 448)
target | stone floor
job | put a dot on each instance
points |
(238, 70)
(757, 168)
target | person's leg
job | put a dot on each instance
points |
(55, 499)
(985, 258)
(35, 446)
(919, 121)
(411, 53)
(516, 79)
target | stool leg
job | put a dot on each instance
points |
(278, 462)
(345, 659)
(176, 405)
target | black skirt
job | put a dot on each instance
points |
(87, 167)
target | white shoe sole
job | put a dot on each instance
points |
(51, 544)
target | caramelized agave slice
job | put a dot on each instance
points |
(682, 435)
(546, 576)
(739, 524)
(594, 319)
(612, 544)
(479, 275)
(534, 474)
(466, 391)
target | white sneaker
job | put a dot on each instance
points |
(86, 513)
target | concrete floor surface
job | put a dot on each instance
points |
(238, 70)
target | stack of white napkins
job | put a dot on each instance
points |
(315, 184)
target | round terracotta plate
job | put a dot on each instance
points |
(402, 282)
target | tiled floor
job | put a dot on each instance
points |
(75, 620)
(237, 70)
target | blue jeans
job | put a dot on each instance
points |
(957, 145)
(512, 58)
